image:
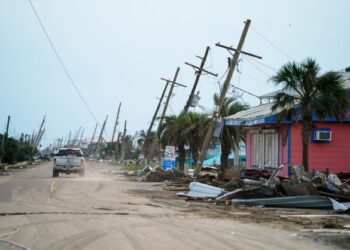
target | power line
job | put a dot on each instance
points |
(265, 65)
(61, 63)
(253, 78)
(256, 67)
(272, 44)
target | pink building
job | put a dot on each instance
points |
(271, 143)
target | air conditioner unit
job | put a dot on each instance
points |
(323, 135)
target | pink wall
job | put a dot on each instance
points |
(283, 149)
(334, 156)
(248, 149)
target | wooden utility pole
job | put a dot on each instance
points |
(199, 71)
(36, 142)
(76, 137)
(145, 146)
(69, 136)
(116, 122)
(157, 139)
(81, 138)
(5, 135)
(117, 146)
(40, 136)
(100, 137)
(92, 139)
(122, 153)
(216, 114)
(173, 83)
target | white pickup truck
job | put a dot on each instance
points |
(68, 160)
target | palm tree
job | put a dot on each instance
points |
(304, 92)
(233, 134)
(196, 128)
(185, 129)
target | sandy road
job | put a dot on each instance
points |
(100, 211)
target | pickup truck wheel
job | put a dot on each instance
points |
(82, 173)
(54, 173)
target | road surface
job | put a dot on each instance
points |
(104, 211)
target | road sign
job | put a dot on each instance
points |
(169, 153)
(169, 162)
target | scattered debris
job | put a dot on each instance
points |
(158, 175)
(316, 202)
(200, 190)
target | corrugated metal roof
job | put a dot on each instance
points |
(254, 112)
(272, 94)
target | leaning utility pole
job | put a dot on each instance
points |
(216, 114)
(145, 146)
(76, 137)
(81, 138)
(92, 139)
(199, 71)
(5, 135)
(38, 135)
(68, 140)
(117, 146)
(116, 122)
(39, 132)
(157, 139)
(122, 153)
(173, 83)
(100, 137)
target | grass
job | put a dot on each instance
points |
(127, 167)
(131, 167)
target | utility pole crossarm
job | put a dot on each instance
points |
(176, 83)
(243, 52)
(199, 69)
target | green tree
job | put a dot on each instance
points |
(230, 134)
(305, 91)
(185, 129)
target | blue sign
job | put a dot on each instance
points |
(169, 165)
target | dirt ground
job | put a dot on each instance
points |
(326, 226)
(105, 210)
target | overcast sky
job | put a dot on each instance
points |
(116, 51)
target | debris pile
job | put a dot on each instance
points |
(158, 175)
(303, 190)
(149, 174)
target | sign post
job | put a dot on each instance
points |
(169, 162)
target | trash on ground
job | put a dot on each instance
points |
(314, 202)
(200, 190)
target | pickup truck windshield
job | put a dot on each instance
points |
(65, 152)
